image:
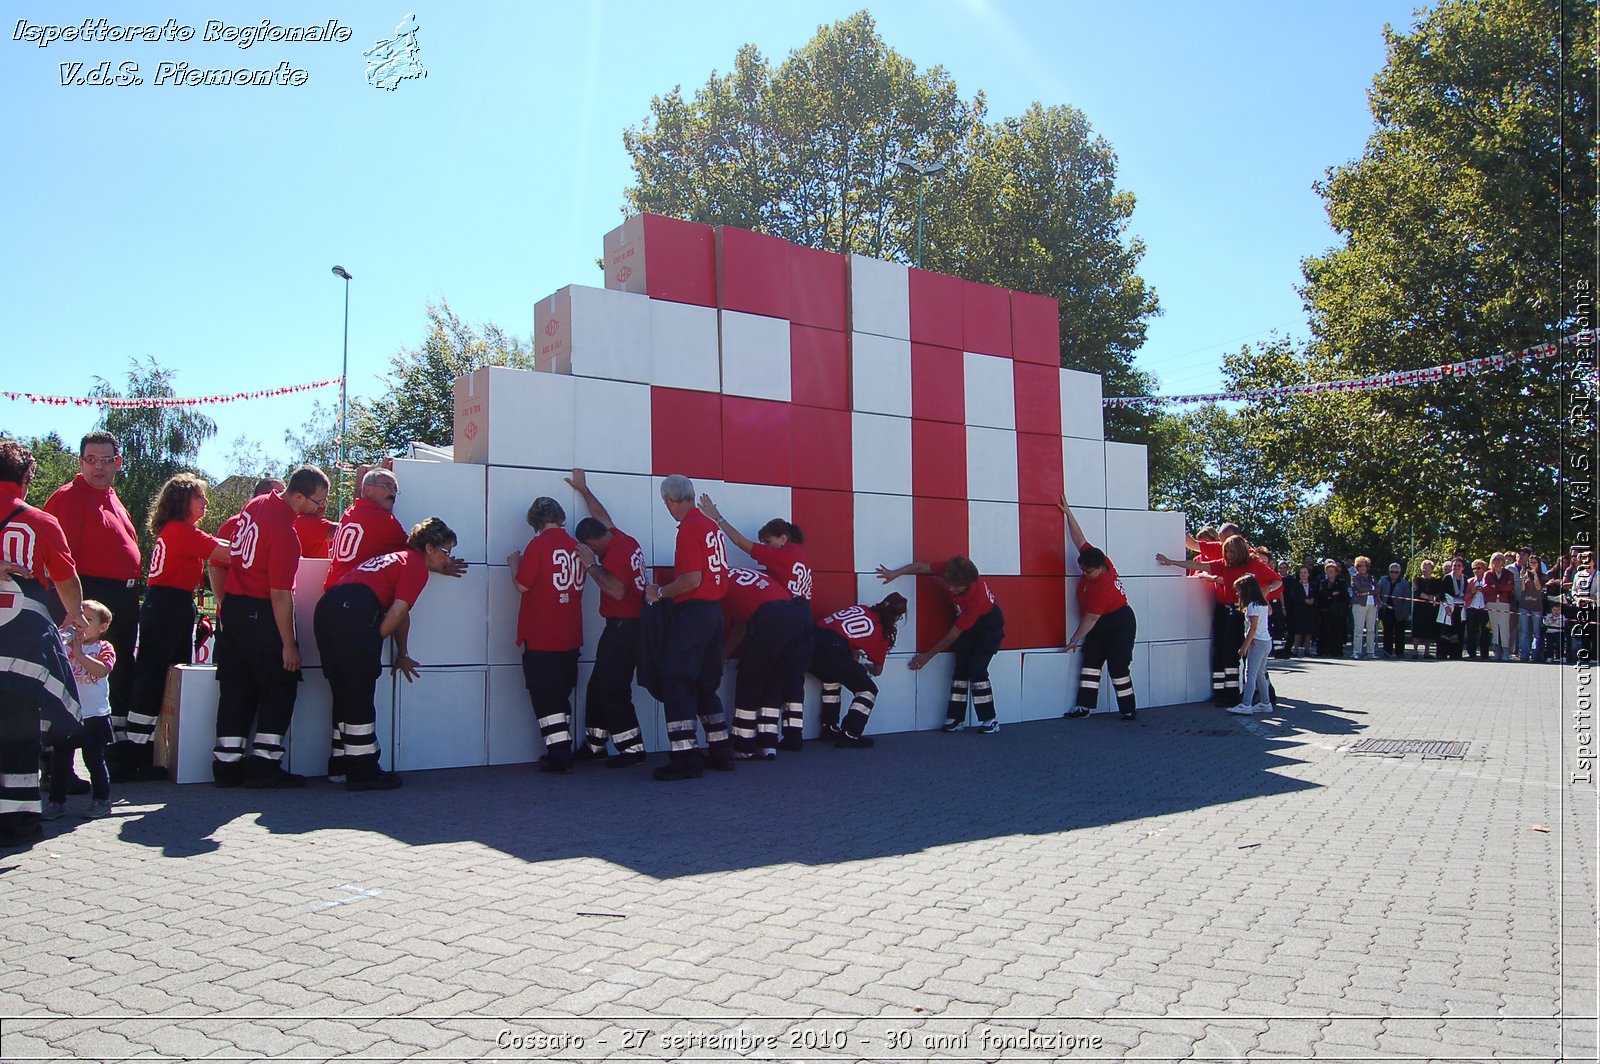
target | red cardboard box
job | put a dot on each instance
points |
(756, 442)
(685, 433)
(819, 372)
(663, 258)
(986, 319)
(1039, 469)
(1038, 398)
(939, 529)
(936, 302)
(752, 272)
(939, 384)
(828, 518)
(819, 289)
(820, 448)
(938, 460)
(1035, 329)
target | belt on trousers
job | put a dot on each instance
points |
(110, 580)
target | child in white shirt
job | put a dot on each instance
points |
(1254, 692)
(92, 660)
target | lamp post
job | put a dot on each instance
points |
(923, 172)
(344, 387)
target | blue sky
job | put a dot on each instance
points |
(199, 224)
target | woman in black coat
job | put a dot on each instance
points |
(1335, 612)
(1302, 594)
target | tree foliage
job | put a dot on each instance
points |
(157, 442)
(808, 150)
(1215, 473)
(55, 461)
(419, 403)
(1476, 185)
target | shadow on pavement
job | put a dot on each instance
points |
(819, 806)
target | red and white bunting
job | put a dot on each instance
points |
(1397, 378)
(153, 401)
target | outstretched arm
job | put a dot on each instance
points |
(889, 576)
(1073, 528)
(938, 648)
(709, 508)
(580, 484)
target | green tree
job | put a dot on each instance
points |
(55, 460)
(419, 403)
(157, 441)
(808, 150)
(1476, 182)
(1217, 473)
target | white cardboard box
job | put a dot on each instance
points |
(755, 356)
(880, 374)
(881, 446)
(1127, 477)
(1169, 675)
(1081, 413)
(1083, 464)
(613, 426)
(1049, 683)
(1129, 544)
(593, 332)
(880, 299)
(883, 533)
(1093, 523)
(511, 492)
(991, 464)
(442, 719)
(448, 624)
(455, 492)
(684, 347)
(514, 417)
(994, 537)
(990, 394)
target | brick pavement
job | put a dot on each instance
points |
(1194, 885)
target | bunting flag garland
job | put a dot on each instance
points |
(115, 402)
(1397, 378)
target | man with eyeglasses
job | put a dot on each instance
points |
(258, 657)
(103, 543)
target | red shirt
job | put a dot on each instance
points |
(33, 539)
(264, 553)
(747, 592)
(860, 628)
(973, 603)
(1265, 575)
(401, 575)
(1498, 588)
(788, 565)
(315, 535)
(98, 529)
(701, 549)
(178, 556)
(1101, 594)
(551, 614)
(624, 560)
(366, 530)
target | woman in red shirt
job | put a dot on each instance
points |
(1227, 623)
(843, 639)
(1106, 627)
(369, 604)
(178, 560)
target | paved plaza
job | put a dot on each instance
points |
(1192, 885)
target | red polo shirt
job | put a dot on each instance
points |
(1264, 574)
(788, 566)
(624, 560)
(747, 592)
(33, 539)
(98, 529)
(973, 603)
(401, 575)
(860, 628)
(701, 548)
(315, 535)
(1102, 594)
(179, 555)
(550, 616)
(264, 551)
(366, 530)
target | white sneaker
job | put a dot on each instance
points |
(1265, 709)
(1242, 711)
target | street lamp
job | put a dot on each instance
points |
(344, 388)
(923, 172)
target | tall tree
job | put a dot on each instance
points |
(419, 403)
(157, 441)
(808, 150)
(1454, 223)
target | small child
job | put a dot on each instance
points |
(1255, 694)
(92, 660)
(1554, 645)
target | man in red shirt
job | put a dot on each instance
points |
(217, 575)
(618, 570)
(35, 679)
(975, 638)
(691, 665)
(258, 656)
(367, 528)
(106, 549)
(549, 573)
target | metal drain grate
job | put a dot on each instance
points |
(1428, 748)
